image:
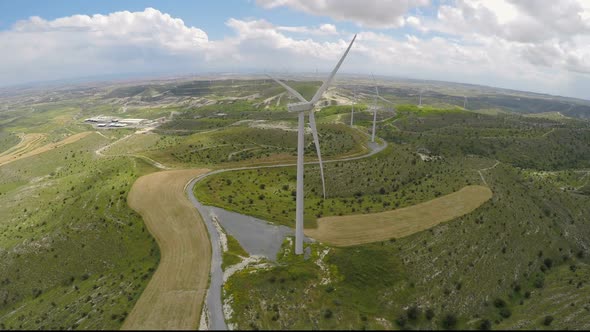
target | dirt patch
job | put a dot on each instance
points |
(366, 228)
(174, 296)
(27, 147)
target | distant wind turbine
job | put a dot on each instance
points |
(374, 109)
(301, 107)
(352, 110)
(420, 99)
(465, 102)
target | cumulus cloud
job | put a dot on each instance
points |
(324, 29)
(367, 13)
(472, 41)
(553, 35)
(416, 23)
(100, 44)
(515, 20)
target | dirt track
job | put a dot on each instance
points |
(174, 296)
(28, 142)
(26, 147)
(365, 228)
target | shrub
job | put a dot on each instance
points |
(548, 262)
(499, 303)
(547, 320)
(485, 325)
(505, 312)
(449, 321)
(413, 312)
(539, 282)
(429, 314)
(401, 321)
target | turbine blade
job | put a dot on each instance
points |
(316, 141)
(324, 86)
(376, 87)
(385, 100)
(292, 91)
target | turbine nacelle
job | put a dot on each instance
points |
(300, 107)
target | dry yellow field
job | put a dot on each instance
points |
(28, 146)
(174, 296)
(365, 228)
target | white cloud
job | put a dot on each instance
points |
(83, 45)
(366, 13)
(468, 41)
(550, 36)
(324, 29)
(415, 23)
(515, 20)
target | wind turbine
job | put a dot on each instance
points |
(375, 107)
(465, 102)
(352, 110)
(374, 110)
(420, 100)
(301, 107)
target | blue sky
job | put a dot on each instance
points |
(209, 15)
(506, 43)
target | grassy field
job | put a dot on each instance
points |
(234, 254)
(60, 266)
(31, 145)
(449, 276)
(477, 271)
(395, 178)
(235, 146)
(74, 255)
(7, 141)
(358, 229)
(562, 304)
(174, 295)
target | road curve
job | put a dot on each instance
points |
(213, 300)
(174, 296)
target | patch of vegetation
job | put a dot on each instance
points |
(234, 254)
(62, 267)
(239, 145)
(7, 140)
(393, 179)
(560, 304)
(509, 249)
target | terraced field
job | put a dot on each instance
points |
(30, 146)
(27, 143)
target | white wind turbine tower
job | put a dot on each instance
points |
(420, 100)
(374, 110)
(465, 102)
(352, 110)
(301, 107)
